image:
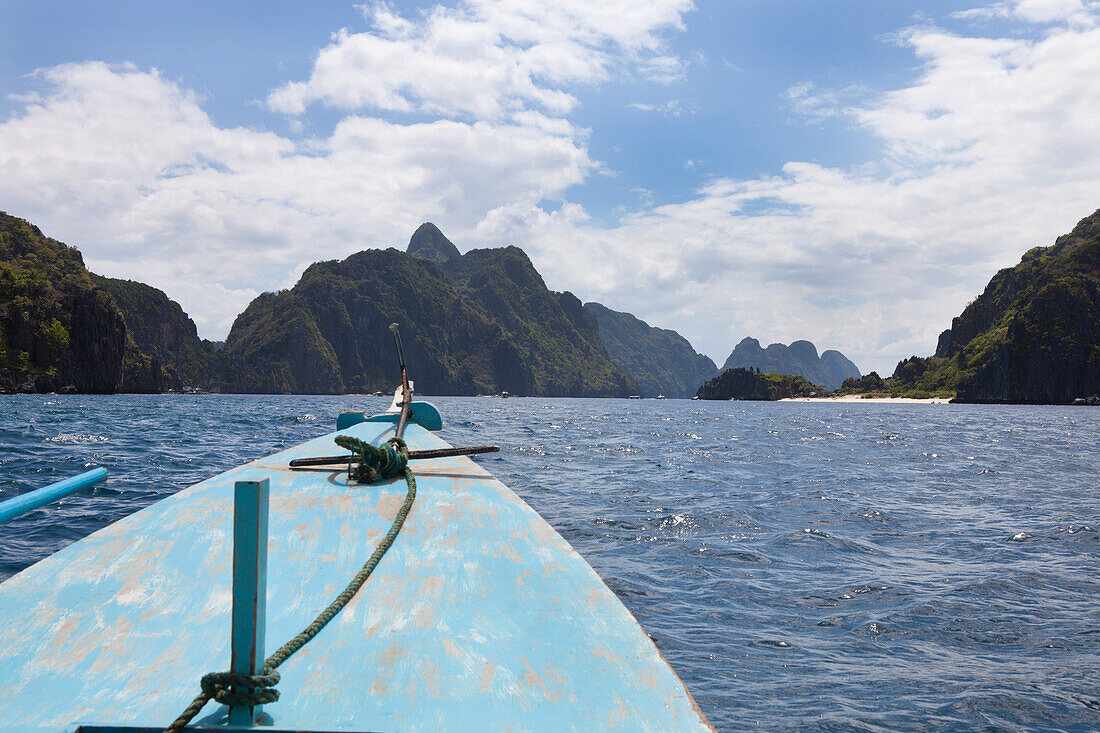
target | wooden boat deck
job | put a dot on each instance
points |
(480, 617)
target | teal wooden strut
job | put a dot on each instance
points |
(235, 689)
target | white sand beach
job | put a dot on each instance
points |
(878, 400)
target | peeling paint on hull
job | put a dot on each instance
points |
(480, 617)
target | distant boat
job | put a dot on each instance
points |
(635, 397)
(660, 397)
(505, 394)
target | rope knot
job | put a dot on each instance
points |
(241, 690)
(376, 463)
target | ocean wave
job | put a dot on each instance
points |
(77, 438)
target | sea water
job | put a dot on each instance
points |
(802, 566)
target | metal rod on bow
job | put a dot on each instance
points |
(414, 455)
(406, 391)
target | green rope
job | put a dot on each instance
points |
(374, 463)
(258, 689)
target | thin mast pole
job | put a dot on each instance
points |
(406, 403)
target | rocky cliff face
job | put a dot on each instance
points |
(555, 339)
(1033, 335)
(488, 324)
(662, 361)
(57, 329)
(278, 343)
(800, 358)
(428, 243)
(64, 328)
(836, 368)
(97, 341)
(483, 323)
(163, 348)
(751, 384)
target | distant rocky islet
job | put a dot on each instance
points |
(800, 358)
(739, 383)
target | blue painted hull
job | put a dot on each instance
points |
(480, 617)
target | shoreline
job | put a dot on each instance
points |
(877, 400)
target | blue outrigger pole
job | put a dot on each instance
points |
(13, 508)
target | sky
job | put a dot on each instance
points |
(847, 172)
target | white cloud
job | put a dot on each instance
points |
(993, 148)
(127, 166)
(486, 59)
(1053, 11)
(456, 68)
(663, 69)
(670, 108)
(816, 105)
(1024, 107)
(1076, 12)
(813, 103)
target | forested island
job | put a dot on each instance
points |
(800, 358)
(752, 384)
(1032, 337)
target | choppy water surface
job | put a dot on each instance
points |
(801, 566)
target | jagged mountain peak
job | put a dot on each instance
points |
(803, 350)
(799, 358)
(429, 243)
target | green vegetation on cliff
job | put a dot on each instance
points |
(428, 243)
(65, 328)
(751, 384)
(485, 322)
(1033, 335)
(489, 324)
(662, 361)
(478, 323)
(57, 330)
(160, 336)
(329, 332)
(556, 342)
(915, 378)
